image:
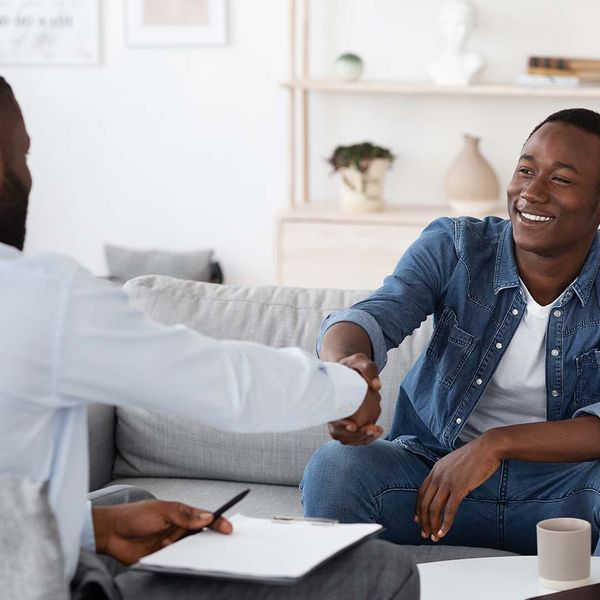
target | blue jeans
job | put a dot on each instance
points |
(379, 483)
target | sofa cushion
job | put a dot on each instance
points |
(127, 263)
(264, 501)
(101, 435)
(161, 445)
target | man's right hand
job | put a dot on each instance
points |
(128, 532)
(359, 429)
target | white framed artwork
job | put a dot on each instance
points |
(49, 32)
(176, 22)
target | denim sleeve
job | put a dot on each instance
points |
(409, 295)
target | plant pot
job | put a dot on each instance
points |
(348, 67)
(472, 187)
(363, 191)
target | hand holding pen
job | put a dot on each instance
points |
(130, 531)
(218, 513)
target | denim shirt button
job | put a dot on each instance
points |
(514, 311)
(554, 352)
(557, 313)
(458, 421)
(554, 393)
(478, 381)
(498, 345)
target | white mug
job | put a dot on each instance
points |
(564, 551)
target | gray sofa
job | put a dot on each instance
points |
(176, 459)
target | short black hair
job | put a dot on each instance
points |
(583, 118)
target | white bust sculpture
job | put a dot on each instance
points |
(456, 66)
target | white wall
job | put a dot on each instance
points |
(186, 148)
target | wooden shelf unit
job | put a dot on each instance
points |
(407, 88)
(317, 244)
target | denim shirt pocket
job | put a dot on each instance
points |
(449, 348)
(587, 390)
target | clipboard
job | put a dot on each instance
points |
(258, 550)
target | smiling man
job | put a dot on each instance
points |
(497, 423)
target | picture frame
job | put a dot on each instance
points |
(176, 22)
(50, 32)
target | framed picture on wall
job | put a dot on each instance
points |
(49, 32)
(176, 22)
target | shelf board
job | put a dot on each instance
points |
(392, 215)
(419, 88)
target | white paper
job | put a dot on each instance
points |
(259, 549)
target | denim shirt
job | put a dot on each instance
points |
(463, 271)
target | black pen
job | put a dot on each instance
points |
(219, 512)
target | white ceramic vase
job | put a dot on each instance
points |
(472, 186)
(363, 191)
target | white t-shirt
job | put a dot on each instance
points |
(69, 339)
(517, 391)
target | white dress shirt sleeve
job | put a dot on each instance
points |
(88, 535)
(112, 353)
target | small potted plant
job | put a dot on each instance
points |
(362, 169)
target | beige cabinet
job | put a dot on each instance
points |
(318, 246)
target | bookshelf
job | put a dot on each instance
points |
(429, 89)
(317, 244)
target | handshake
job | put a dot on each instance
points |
(359, 429)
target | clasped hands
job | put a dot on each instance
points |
(359, 429)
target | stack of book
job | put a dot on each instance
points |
(561, 72)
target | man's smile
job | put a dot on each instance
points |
(527, 217)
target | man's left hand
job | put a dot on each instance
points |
(128, 532)
(449, 482)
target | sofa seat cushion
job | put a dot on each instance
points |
(161, 445)
(266, 501)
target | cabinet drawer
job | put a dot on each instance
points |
(340, 255)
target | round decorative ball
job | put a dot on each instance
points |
(348, 67)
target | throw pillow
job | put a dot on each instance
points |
(127, 263)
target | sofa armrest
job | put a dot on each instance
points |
(119, 494)
(101, 431)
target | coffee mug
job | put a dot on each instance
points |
(564, 549)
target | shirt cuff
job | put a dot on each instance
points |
(88, 537)
(349, 389)
(367, 322)
(592, 409)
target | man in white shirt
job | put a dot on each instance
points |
(69, 339)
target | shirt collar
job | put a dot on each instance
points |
(506, 274)
(505, 269)
(587, 277)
